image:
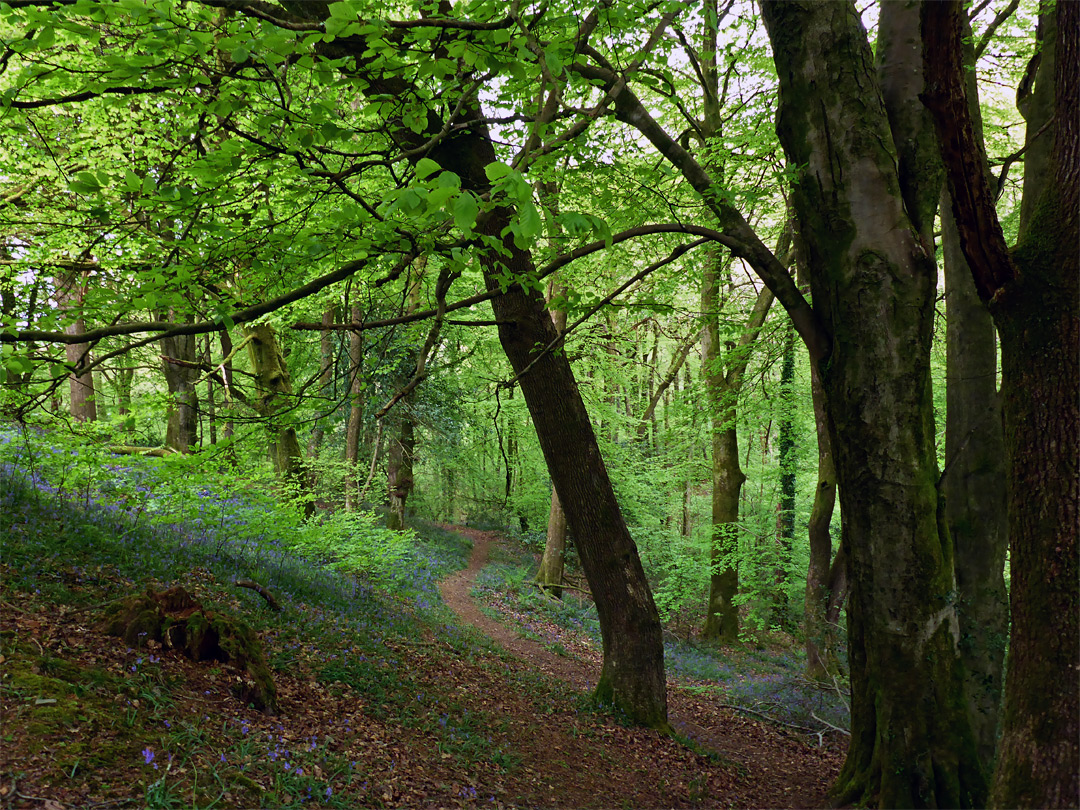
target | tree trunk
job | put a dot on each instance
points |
(820, 628)
(550, 574)
(274, 394)
(399, 458)
(632, 675)
(356, 414)
(1034, 297)
(975, 491)
(873, 284)
(70, 291)
(326, 379)
(785, 517)
(399, 470)
(179, 362)
(723, 376)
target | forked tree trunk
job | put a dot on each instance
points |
(1034, 296)
(873, 283)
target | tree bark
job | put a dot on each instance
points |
(873, 285)
(70, 291)
(1034, 297)
(632, 675)
(356, 414)
(274, 395)
(179, 362)
(820, 628)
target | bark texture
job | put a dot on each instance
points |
(70, 291)
(632, 676)
(975, 492)
(179, 363)
(1034, 297)
(274, 394)
(873, 285)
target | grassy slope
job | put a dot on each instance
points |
(385, 700)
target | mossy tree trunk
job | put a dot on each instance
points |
(1033, 292)
(275, 393)
(873, 282)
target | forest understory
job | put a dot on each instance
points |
(385, 698)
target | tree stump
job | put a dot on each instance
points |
(175, 619)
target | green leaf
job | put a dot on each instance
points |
(529, 220)
(425, 167)
(240, 54)
(465, 211)
(496, 171)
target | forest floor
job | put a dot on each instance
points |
(384, 701)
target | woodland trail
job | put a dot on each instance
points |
(786, 771)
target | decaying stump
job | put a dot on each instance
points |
(173, 618)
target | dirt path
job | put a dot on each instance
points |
(785, 770)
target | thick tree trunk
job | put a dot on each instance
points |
(873, 285)
(974, 486)
(1034, 297)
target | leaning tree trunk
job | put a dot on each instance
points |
(1034, 296)
(873, 284)
(632, 675)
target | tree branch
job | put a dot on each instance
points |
(981, 237)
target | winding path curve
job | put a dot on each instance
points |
(763, 751)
